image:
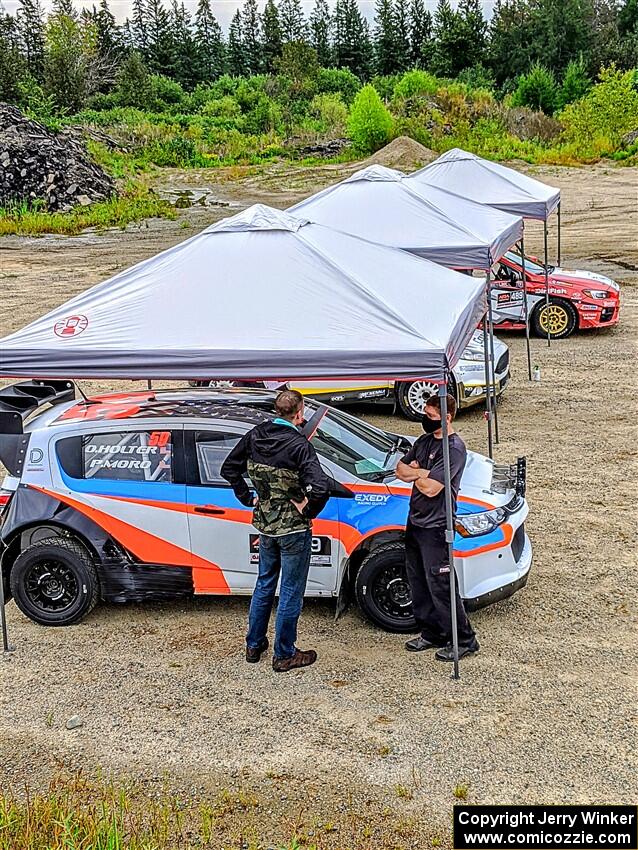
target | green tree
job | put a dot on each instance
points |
(320, 33)
(369, 122)
(385, 38)
(108, 36)
(537, 90)
(13, 66)
(209, 42)
(420, 34)
(251, 36)
(448, 34)
(184, 48)
(237, 62)
(292, 21)
(30, 24)
(132, 83)
(576, 83)
(271, 35)
(472, 46)
(159, 50)
(402, 27)
(511, 37)
(598, 121)
(71, 72)
(352, 45)
(139, 26)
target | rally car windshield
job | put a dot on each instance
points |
(530, 265)
(356, 446)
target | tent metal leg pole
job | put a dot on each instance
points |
(449, 524)
(3, 619)
(488, 398)
(559, 235)
(526, 308)
(549, 341)
(492, 374)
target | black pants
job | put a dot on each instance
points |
(428, 566)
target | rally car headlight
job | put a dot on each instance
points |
(472, 354)
(472, 525)
(597, 293)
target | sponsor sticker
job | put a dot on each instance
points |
(71, 326)
(320, 553)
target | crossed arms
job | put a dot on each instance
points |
(412, 473)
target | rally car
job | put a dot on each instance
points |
(577, 299)
(119, 497)
(467, 383)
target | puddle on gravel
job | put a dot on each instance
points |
(182, 198)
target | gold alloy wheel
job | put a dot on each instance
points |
(556, 316)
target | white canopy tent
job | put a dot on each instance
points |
(386, 207)
(260, 295)
(499, 187)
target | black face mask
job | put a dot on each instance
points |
(430, 425)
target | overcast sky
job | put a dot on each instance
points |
(223, 9)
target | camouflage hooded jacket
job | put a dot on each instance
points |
(282, 466)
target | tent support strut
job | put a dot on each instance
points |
(449, 522)
(488, 402)
(526, 308)
(3, 619)
(559, 235)
(491, 376)
(549, 342)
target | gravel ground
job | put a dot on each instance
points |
(371, 738)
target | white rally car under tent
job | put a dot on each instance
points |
(384, 206)
(242, 291)
(498, 187)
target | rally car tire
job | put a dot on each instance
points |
(408, 394)
(382, 589)
(54, 582)
(564, 316)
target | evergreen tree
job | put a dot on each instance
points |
(69, 72)
(109, 39)
(184, 59)
(292, 21)
(209, 41)
(65, 7)
(420, 34)
(237, 64)
(448, 34)
(139, 26)
(159, 50)
(402, 34)
(385, 39)
(30, 27)
(271, 35)
(471, 48)
(352, 45)
(251, 35)
(133, 86)
(320, 32)
(12, 63)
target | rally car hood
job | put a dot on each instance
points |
(582, 278)
(476, 346)
(476, 484)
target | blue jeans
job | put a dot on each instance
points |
(290, 556)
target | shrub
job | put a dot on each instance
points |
(338, 81)
(576, 83)
(416, 83)
(478, 77)
(163, 90)
(369, 123)
(223, 107)
(598, 121)
(537, 89)
(331, 111)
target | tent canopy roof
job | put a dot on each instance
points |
(260, 295)
(384, 206)
(469, 176)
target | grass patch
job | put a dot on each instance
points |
(132, 205)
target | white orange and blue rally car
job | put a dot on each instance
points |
(119, 497)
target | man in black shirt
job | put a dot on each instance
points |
(427, 554)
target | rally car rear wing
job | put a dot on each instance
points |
(511, 476)
(17, 402)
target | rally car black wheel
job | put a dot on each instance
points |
(560, 316)
(382, 589)
(54, 582)
(412, 395)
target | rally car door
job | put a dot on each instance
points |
(223, 538)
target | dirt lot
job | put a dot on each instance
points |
(372, 741)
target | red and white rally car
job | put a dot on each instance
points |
(577, 299)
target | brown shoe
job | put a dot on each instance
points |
(254, 655)
(299, 659)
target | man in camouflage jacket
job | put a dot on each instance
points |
(291, 489)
